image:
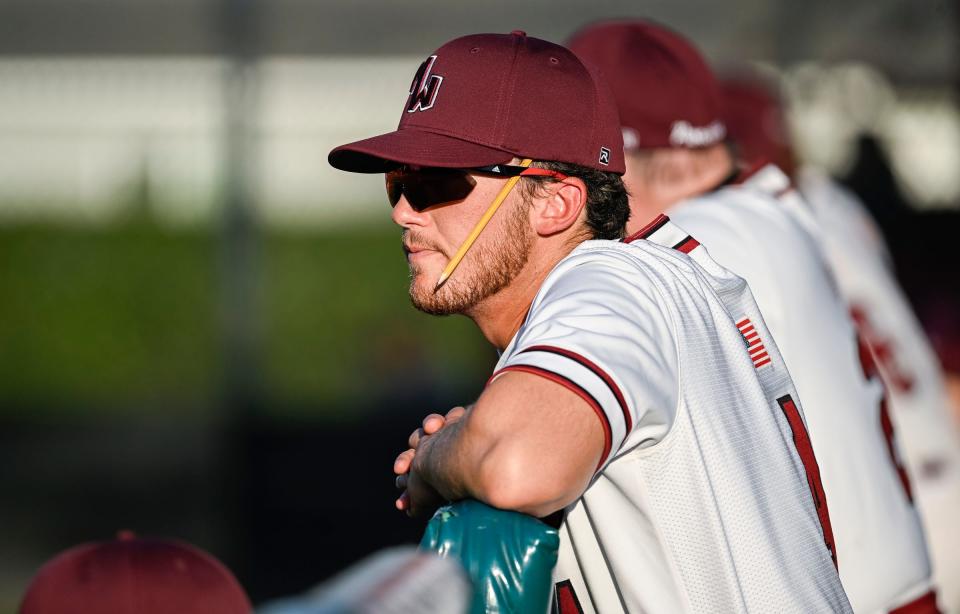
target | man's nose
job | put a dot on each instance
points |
(406, 216)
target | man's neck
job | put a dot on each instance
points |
(693, 173)
(500, 316)
(709, 170)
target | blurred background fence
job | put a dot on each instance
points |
(204, 329)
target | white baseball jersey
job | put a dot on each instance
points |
(706, 498)
(748, 229)
(919, 402)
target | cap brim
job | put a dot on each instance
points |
(380, 154)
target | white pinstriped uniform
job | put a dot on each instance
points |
(701, 502)
(753, 229)
(858, 257)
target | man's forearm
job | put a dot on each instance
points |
(446, 461)
(527, 444)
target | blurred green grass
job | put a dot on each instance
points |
(125, 318)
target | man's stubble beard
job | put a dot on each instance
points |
(497, 262)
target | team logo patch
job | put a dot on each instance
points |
(751, 338)
(425, 87)
(604, 156)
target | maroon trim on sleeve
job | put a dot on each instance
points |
(649, 229)
(575, 388)
(612, 385)
(687, 245)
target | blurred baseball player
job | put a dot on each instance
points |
(858, 257)
(625, 395)
(677, 160)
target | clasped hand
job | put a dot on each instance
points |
(417, 497)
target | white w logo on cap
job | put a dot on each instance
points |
(425, 87)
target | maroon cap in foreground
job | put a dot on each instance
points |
(484, 99)
(134, 576)
(666, 93)
(754, 117)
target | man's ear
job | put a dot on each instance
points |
(559, 207)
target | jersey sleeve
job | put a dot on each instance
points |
(601, 332)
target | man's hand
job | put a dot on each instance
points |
(417, 495)
(528, 444)
(418, 498)
(431, 424)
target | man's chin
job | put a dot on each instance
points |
(432, 308)
(426, 300)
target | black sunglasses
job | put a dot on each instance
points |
(427, 187)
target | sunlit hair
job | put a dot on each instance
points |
(608, 207)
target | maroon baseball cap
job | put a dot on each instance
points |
(666, 93)
(134, 576)
(484, 99)
(754, 117)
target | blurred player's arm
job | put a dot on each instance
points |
(528, 444)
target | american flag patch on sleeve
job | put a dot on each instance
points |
(754, 344)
